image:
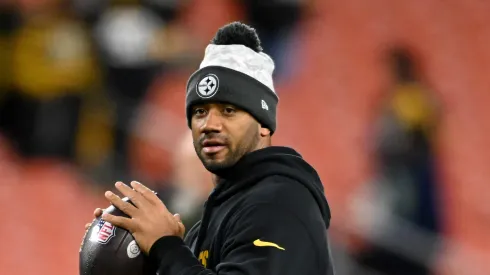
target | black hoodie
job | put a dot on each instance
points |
(267, 215)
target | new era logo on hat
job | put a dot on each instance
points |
(264, 105)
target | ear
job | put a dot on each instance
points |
(264, 132)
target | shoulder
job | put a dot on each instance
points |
(281, 197)
(280, 190)
(284, 198)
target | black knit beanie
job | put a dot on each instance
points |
(235, 71)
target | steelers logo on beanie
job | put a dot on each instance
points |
(235, 70)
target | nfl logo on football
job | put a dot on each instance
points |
(103, 232)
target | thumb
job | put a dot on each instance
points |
(181, 225)
(177, 218)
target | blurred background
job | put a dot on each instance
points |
(388, 100)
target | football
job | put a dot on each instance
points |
(108, 250)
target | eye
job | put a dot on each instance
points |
(228, 110)
(199, 112)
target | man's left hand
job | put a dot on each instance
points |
(149, 217)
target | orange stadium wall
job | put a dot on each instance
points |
(326, 111)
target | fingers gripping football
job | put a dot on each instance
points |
(147, 193)
(149, 217)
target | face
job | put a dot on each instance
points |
(222, 134)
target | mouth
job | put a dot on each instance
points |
(210, 146)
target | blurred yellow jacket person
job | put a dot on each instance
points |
(52, 57)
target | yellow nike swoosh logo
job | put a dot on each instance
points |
(260, 243)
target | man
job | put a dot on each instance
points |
(267, 213)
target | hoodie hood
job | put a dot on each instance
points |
(270, 161)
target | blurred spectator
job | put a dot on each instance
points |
(403, 196)
(135, 40)
(276, 22)
(52, 68)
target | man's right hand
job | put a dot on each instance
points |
(97, 213)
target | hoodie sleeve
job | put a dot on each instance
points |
(261, 239)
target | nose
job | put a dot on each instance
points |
(213, 122)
